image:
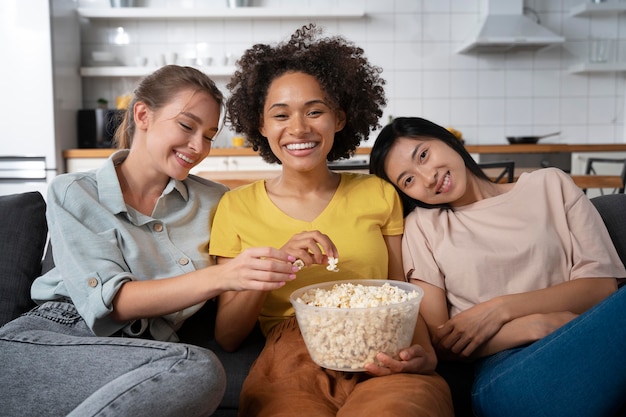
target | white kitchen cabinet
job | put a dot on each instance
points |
(250, 163)
(210, 164)
(234, 163)
(83, 164)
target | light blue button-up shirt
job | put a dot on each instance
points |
(99, 243)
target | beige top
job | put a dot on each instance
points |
(543, 232)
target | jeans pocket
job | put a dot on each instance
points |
(60, 312)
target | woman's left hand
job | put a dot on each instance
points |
(468, 330)
(414, 360)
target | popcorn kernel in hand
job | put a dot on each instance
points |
(332, 264)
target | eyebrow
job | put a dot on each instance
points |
(308, 103)
(191, 116)
(197, 119)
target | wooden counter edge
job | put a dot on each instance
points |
(546, 148)
(484, 149)
(105, 153)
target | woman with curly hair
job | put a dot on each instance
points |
(301, 104)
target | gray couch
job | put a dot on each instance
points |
(23, 237)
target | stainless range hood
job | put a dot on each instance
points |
(504, 27)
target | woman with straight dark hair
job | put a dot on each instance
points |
(518, 277)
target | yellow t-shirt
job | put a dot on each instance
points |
(362, 211)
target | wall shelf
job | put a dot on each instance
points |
(596, 9)
(598, 67)
(123, 71)
(151, 13)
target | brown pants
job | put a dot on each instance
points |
(284, 381)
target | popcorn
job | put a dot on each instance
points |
(349, 295)
(332, 264)
(346, 324)
(299, 263)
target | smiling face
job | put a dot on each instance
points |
(430, 171)
(299, 122)
(178, 136)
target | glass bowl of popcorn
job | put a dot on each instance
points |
(346, 323)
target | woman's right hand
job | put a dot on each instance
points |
(262, 269)
(312, 247)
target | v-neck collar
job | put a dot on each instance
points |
(279, 215)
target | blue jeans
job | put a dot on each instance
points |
(579, 370)
(53, 365)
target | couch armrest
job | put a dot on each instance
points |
(23, 235)
(612, 209)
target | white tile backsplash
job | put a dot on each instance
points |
(464, 84)
(464, 111)
(414, 41)
(518, 112)
(491, 112)
(543, 111)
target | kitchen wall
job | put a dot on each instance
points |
(486, 96)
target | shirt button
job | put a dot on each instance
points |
(183, 261)
(92, 282)
(158, 227)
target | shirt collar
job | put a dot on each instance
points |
(109, 188)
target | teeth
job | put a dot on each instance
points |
(184, 158)
(300, 146)
(445, 183)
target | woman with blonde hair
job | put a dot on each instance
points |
(130, 244)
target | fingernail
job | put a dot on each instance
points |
(291, 258)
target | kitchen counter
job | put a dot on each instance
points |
(104, 153)
(235, 173)
(545, 148)
(478, 149)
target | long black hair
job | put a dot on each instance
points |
(422, 129)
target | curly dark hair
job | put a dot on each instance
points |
(345, 75)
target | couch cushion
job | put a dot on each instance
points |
(199, 330)
(23, 234)
(612, 209)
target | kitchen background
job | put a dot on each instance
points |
(487, 96)
(63, 56)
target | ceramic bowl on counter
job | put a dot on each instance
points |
(103, 58)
